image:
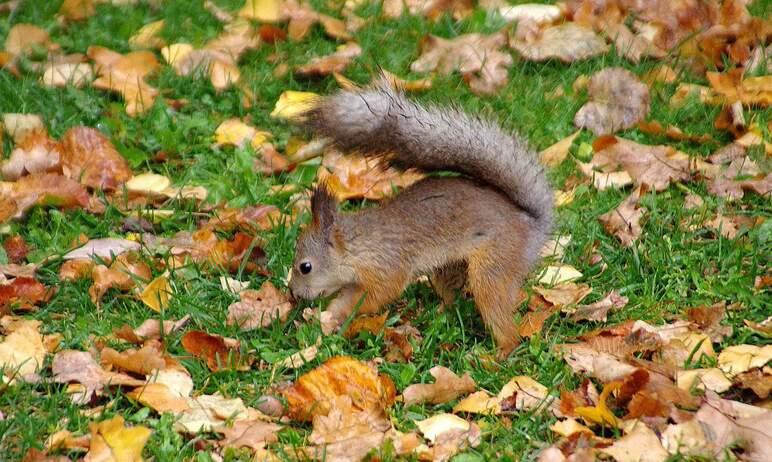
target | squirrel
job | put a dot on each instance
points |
(484, 227)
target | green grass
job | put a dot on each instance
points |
(670, 269)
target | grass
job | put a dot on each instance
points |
(669, 270)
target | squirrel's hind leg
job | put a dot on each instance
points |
(495, 274)
(447, 281)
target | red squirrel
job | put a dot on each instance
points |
(485, 227)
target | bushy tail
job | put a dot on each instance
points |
(381, 122)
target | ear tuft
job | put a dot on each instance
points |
(324, 206)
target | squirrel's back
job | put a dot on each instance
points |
(381, 122)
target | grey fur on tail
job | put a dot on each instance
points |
(381, 122)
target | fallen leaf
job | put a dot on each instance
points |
(19, 126)
(234, 132)
(448, 434)
(125, 74)
(24, 38)
(640, 444)
(558, 274)
(618, 100)
(326, 65)
(600, 414)
(35, 153)
(89, 157)
(291, 105)
(709, 318)
(60, 75)
(300, 358)
(148, 36)
(522, 393)
(22, 293)
(564, 293)
(158, 397)
(112, 440)
(210, 413)
(537, 13)
(143, 361)
(105, 248)
(262, 10)
(156, 294)
(758, 380)
(533, 321)
(22, 351)
(125, 273)
(567, 42)
(447, 387)
(624, 222)
(218, 352)
(42, 189)
(259, 308)
(79, 366)
(351, 177)
(373, 324)
(150, 329)
(556, 154)
(736, 359)
(77, 10)
(311, 393)
(253, 434)
(703, 379)
(599, 310)
(477, 57)
(479, 402)
(731, 86)
(19, 271)
(763, 328)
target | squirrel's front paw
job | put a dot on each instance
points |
(329, 322)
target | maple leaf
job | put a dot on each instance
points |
(478, 58)
(618, 100)
(567, 42)
(447, 387)
(125, 74)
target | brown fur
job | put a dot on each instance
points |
(442, 227)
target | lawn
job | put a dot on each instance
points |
(675, 264)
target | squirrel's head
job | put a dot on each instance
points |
(318, 270)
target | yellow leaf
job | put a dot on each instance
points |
(148, 36)
(22, 351)
(175, 53)
(148, 183)
(558, 274)
(156, 294)
(600, 414)
(262, 10)
(479, 402)
(292, 104)
(568, 427)
(112, 441)
(739, 358)
(555, 154)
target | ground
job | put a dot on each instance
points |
(669, 270)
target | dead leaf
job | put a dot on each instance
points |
(35, 153)
(156, 294)
(18, 126)
(373, 324)
(259, 308)
(24, 38)
(143, 361)
(311, 394)
(565, 293)
(79, 366)
(218, 352)
(618, 100)
(89, 157)
(537, 13)
(210, 413)
(253, 434)
(567, 42)
(22, 351)
(709, 318)
(125, 74)
(352, 177)
(148, 36)
(703, 379)
(533, 321)
(112, 440)
(106, 249)
(291, 105)
(158, 397)
(522, 393)
(736, 359)
(600, 414)
(22, 293)
(624, 221)
(639, 445)
(300, 358)
(751, 91)
(556, 154)
(77, 10)
(447, 387)
(763, 328)
(758, 380)
(234, 132)
(150, 329)
(326, 65)
(477, 57)
(448, 434)
(558, 274)
(125, 273)
(652, 166)
(598, 311)
(42, 189)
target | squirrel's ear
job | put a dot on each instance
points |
(323, 207)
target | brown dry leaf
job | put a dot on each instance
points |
(24, 38)
(722, 225)
(111, 440)
(703, 379)
(89, 157)
(369, 323)
(19, 271)
(16, 249)
(533, 321)
(22, 293)
(753, 91)
(556, 154)
(557, 274)
(723, 179)
(159, 397)
(652, 166)
(126, 74)
(300, 358)
(313, 391)
(522, 393)
(686, 91)
(36, 153)
(22, 350)
(77, 10)
(447, 387)
(397, 344)
(660, 74)
(624, 222)
(63, 74)
(736, 359)
(42, 189)
(63, 439)
(143, 361)
(709, 318)
(219, 352)
(567, 42)
(566, 293)
(18, 126)
(584, 359)
(334, 63)
(79, 366)
(259, 308)
(150, 329)
(599, 310)
(124, 274)
(640, 444)
(477, 57)
(352, 177)
(763, 328)
(618, 100)
(653, 127)
(479, 402)
(253, 434)
(758, 380)
(431, 9)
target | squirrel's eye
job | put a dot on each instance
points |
(305, 267)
